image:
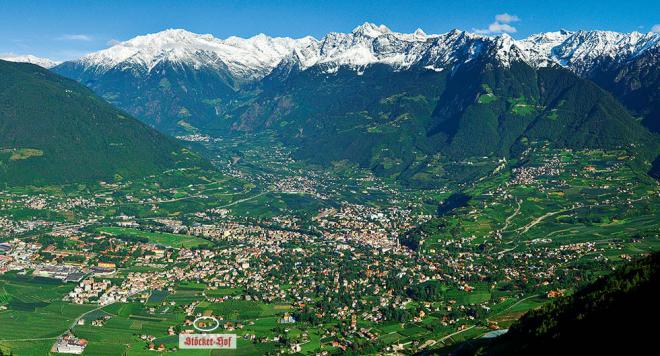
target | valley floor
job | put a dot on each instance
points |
(306, 259)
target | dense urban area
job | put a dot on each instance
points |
(295, 258)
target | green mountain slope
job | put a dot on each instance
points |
(601, 317)
(346, 116)
(397, 121)
(508, 106)
(163, 97)
(636, 85)
(54, 130)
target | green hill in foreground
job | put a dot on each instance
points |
(615, 314)
(54, 130)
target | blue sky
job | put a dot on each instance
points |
(68, 29)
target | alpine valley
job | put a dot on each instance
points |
(370, 192)
(390, 101)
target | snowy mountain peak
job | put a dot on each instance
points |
(245, 59)
(369, 43)
(419, 33)
(371, 30)
(253, 58)
(580, 50)
(455, 32)
(42, 62)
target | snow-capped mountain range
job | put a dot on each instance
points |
(246, 59)
(43, 62)
(254, 58)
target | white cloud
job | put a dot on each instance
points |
(655, 28)
(501, 25)
(76, 37)
(497, 27)
(113, 42)
(506, 18)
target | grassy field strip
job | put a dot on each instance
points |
(553, 213)
(34, 339)
(198, 195)
(551, 233)
(507, 250)
(442, 340)
(163, 238)
(244, 200)
(516, 303)
(508, 219)
(538, 220)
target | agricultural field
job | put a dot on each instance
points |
(129, 321)
(35, 314)
(159, 238)
(276, 239)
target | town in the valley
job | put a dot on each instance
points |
(301, 260)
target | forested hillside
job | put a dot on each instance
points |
(54, 130)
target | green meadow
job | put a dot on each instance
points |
(162, 238)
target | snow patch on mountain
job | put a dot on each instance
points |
(28, 58)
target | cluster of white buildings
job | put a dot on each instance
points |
(87, 290)
(69, 344)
